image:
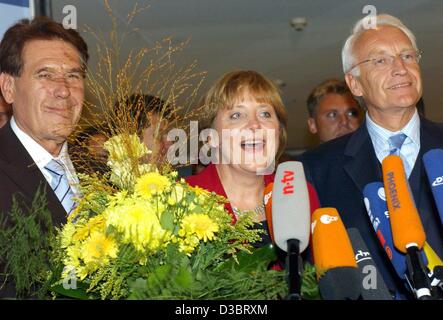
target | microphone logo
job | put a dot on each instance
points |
(381, 193)
(288, 177)
(313, 224)
(327, 219)
(375, 221)
(267, 197)
(393, 191)
(438, 181)
(367, 204)
(362, 255)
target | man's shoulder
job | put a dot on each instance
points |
(8, 141)
(435, 127)
(331, 150)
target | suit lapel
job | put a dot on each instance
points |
(430, 138)
(363, 166)
(19, 166)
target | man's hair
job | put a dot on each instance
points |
(40, 28)
(347, 53)
(140, 105)
(326, 87)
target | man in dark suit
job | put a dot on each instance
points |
(381, 68)
(42, 70)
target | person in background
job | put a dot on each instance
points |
(153, 120)
(89, 154)
(243, 103)
(333, 111)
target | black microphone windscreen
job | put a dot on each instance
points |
(373, 285)
(341, 283)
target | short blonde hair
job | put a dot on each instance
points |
(226, 90)
(324, 88)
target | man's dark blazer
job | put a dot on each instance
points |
(341, 168)
(20, 176)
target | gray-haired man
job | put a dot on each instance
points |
(381, 67)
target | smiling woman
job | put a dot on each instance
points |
(245, 109)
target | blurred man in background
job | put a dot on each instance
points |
(333, 111)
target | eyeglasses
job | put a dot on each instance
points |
(384, 61)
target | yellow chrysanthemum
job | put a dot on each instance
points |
(98, 248)
(124, 146)
(118, 198)
(94, 224)
(200, 191)
(188, 244)
(139, 223)
(67, 234)
(81, 272)
(73, 256)
(199, 224)
(151, 183)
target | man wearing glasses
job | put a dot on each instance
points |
(381, 67)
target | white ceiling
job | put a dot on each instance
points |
(256, 34)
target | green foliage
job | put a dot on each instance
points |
(181, 277)
(219, 269)
(309, 287)
(246, 275)
(25, 240)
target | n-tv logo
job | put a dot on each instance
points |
(288, 178)
(438, 181)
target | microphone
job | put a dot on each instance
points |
(377, 208)
(435, 267)
(373, 285)
(267, 201)
(337, 272)
(291, 219)
(407, 230)
(432, 161)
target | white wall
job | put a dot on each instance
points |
(13, 10)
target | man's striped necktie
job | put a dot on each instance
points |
(60, 185)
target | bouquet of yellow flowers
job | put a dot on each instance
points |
(138, 232)
(141, 234)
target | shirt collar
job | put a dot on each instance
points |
(39, 154)
(381, 135)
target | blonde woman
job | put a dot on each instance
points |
(244, 103)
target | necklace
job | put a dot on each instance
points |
(258, 210)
